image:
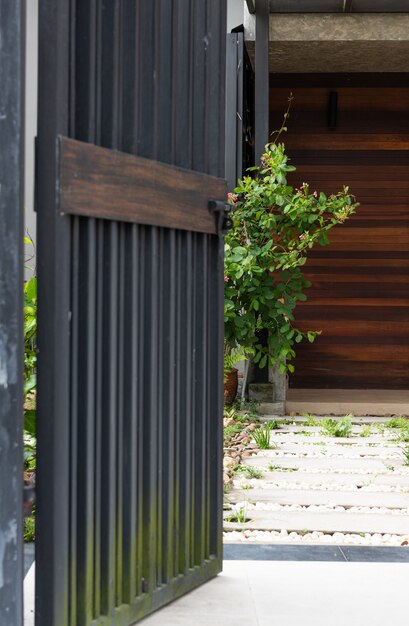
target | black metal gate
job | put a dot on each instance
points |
(130, 274)
(11, 310)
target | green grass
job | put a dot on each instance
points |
(405, 455)
(310, 420)
(403, 435)
(366, 431)
(261, 436)
(341, 427)
(229, 431)
(239, 516)
(390, 468)
(248, 471)
(304, 433)
(280, 468)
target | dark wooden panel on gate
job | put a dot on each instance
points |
(360, 283)
(97, 182)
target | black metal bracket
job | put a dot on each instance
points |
(222, 209)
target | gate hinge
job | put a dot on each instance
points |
(222, 208)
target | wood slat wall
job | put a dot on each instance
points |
(360, 283)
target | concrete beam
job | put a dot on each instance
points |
(335, 42)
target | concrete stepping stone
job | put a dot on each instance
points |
(368, 465)
(294, 521)
(351, 478)
(341, 498)
(331, 448)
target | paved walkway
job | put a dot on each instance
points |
(316, 488)
(266, 593)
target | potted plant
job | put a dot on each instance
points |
(275, 226)
(232, 355)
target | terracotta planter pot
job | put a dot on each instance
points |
(230, 386)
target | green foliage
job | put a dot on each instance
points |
(229, 431)
(30, 381)
(366, 431)
(274, 424)
(390, 468)
(404, 435)
(261, 436)
(281, 468)
(30, 443)
(30, 332)
(310, 420)
(397, 422)
(230, 412)
(232, 356)
(239, 516)
(249, 406)
(405, 455)
(248, 471)
(29, 529)
(275, 226)
(338, 427)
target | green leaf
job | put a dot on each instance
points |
(30, 421)
(263, 362)
(30, 383)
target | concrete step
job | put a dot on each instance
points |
(349, 479)
(379, 402)
(360, 420)
(318, 430)
(367, 465)
(338, 498)
(292, 437)
(332, 448)
(324, 522)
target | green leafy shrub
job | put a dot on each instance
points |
(275, 226)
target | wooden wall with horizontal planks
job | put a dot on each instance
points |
(360, 283)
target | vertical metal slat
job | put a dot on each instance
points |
(108, 429)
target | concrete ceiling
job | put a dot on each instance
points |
(339, 6)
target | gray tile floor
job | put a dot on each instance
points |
(274, 593)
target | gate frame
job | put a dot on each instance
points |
(52, 567)
(12, 36)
